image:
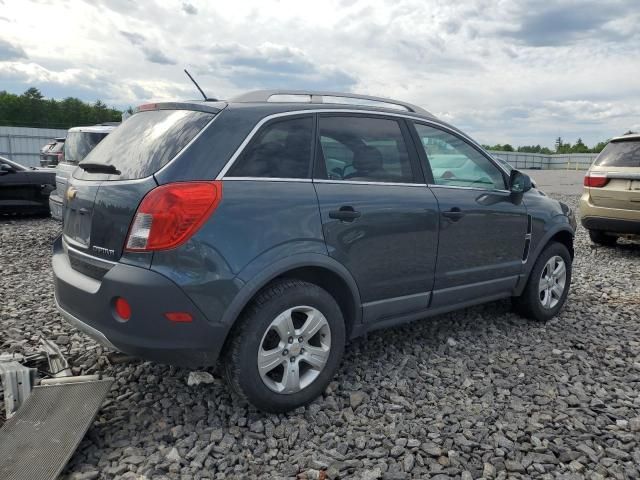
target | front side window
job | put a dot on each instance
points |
(282, 149)
(363, 149)
(455, 163)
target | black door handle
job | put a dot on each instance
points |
(345, 213)
(454, 214)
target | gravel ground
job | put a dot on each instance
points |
(476, 393)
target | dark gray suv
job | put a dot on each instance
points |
(268, 230)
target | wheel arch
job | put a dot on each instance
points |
(319, 269)
(563, 234)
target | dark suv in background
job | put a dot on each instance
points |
(52, 153)
(268, 230)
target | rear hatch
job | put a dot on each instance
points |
(619, 167)
(111, 181)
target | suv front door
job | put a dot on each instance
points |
(483, 227)
(378, 218)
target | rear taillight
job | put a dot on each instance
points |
(595, 180)
(60, 156)
(170, 214)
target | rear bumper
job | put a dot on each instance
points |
(88, 304)
(614, 220)
(613, 225)
(55, 205)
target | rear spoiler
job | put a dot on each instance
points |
(208, 107)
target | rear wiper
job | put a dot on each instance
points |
(99, 168)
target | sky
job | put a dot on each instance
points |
(505, 71)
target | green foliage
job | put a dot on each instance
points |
(31, 109)
(560, 147)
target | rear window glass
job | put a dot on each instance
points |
(147, 141)
(620, 154)
(79, 144)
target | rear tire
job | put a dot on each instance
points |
(602, 238)
(269, 362)
(546, 291)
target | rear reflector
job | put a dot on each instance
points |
(123, 309)
(179, 317)
(170, 214)
(595, 180)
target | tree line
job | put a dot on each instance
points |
(31, 109)
(560, 147)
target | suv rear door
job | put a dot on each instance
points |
(482, 230)
(379, 219)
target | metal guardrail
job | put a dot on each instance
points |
(23, 144)
(522, 160)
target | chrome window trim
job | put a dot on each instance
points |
(364, 182)
(479, 189)
(321, 180)
(269, 179)
(292, 113)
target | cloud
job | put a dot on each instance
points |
(155, 55)
(9, 51)
(476, 63)
(134, 38)
(569, 22)
(152, 54)
(272, 65)
(189, 9)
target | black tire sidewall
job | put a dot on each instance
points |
(537, 311)
(249, 380)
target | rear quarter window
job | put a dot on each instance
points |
(147, 141)
(620, 154)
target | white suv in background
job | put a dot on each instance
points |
(80, 141)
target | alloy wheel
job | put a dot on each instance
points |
(552, 282)
(294, 349)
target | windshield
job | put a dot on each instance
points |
(620, 154)
(147, 141)
(79, 144)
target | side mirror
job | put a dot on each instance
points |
(519, 182)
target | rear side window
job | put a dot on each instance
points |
(79, 144)
(620, 154)
(363, 149)
(282, 149)
(147, 141)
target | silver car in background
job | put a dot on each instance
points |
(80, 141)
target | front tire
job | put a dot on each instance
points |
(548, 284)
(602, 238)
(287, 346)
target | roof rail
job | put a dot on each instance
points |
(306, 96)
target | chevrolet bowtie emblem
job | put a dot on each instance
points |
(71, 193)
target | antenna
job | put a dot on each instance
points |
(199, 89)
